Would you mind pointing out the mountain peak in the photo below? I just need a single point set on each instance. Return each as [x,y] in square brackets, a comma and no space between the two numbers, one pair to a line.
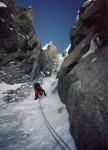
[51,49]
[50,42]
[49,45]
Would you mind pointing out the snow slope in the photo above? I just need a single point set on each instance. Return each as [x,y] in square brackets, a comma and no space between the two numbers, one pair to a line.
[22,126]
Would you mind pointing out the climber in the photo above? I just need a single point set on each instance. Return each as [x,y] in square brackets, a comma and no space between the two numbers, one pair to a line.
[39,91]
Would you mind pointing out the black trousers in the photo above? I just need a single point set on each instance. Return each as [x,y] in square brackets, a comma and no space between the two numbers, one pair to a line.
[42,90]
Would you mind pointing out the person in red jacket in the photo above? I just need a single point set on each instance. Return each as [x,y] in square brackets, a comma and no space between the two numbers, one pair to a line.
[38,90]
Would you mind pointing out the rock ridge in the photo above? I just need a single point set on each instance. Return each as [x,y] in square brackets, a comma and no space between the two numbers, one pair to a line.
[82,80]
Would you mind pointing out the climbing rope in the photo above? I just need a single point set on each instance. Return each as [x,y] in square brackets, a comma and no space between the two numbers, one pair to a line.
[50,127]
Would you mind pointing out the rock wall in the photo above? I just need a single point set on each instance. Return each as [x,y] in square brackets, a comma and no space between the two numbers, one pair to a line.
[19,48]
[49,59]
[83,78]
[21,56]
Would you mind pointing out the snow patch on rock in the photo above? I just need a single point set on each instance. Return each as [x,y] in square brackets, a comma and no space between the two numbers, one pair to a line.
[2,4]
[93,47]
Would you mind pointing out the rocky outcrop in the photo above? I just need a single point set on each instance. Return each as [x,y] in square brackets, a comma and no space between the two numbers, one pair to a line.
[82,83]
[19,48]
[19,94]
[49,59]
[21,56]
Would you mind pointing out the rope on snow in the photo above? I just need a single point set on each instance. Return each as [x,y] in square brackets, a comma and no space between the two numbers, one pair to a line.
[50,127]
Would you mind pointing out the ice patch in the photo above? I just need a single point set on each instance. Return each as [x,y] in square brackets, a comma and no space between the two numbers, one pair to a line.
[77,18]
[2,72]
[99,42]
[60,61]
[93,60]
[93,47]
[87,3]
[13,16]
[2,4]
[12,62]
[67,49]
[21,35]
[30,7]
[10,28]
[2,19]
[45,47]
[82,45]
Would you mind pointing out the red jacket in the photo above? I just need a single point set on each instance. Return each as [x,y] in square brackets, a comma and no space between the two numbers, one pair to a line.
[37,90]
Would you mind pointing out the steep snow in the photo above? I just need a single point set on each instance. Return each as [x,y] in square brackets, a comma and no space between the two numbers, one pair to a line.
[45,47]
[60,59]
[22,125]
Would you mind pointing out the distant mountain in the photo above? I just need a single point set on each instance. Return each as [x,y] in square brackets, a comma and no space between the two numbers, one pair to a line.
[49,58]
[50,44]
[52,49]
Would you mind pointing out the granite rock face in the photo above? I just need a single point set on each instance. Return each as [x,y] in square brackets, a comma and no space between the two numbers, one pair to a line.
[21,56]
[83,78]
[19,48]
[49,59]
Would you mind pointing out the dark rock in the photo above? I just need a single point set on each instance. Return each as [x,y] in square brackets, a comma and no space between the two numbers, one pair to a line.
[19,94]
[18,43]
[7,99]
[60,110]
[21,56]
[10,92]
[82,83]
[48,59]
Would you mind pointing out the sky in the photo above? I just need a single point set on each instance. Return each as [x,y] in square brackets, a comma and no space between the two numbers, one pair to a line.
[53,20]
